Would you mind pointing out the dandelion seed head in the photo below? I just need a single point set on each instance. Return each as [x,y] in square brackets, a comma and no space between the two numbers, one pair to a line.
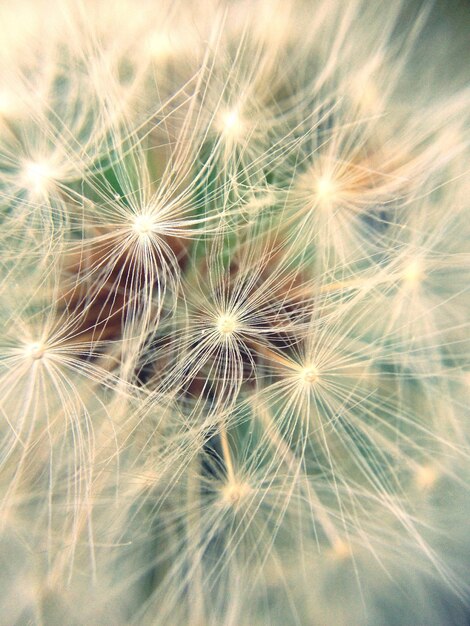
[426,477]
[160,45]
[229,246]
[341,550]
[227,324]
[35,350]
[233,493]
[38,176]
[143,225]
[231,124]
[309,375]
[8,104]
[326,188]
[413,272]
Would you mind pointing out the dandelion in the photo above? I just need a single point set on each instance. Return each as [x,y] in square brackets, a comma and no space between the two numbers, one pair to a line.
[234,332]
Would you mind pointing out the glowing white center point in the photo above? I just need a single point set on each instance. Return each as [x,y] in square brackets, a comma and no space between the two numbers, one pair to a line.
[325,188]
[143,224]
[230,123]
[35,350]
[364,92]
[413,272]
[160,45]
[341,550]
[233,493]
[310,374]
[226,325]
[426,477]
[37,176]
[7,103]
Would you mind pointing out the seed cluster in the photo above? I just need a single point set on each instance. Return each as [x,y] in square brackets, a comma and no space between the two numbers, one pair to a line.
[234,356]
